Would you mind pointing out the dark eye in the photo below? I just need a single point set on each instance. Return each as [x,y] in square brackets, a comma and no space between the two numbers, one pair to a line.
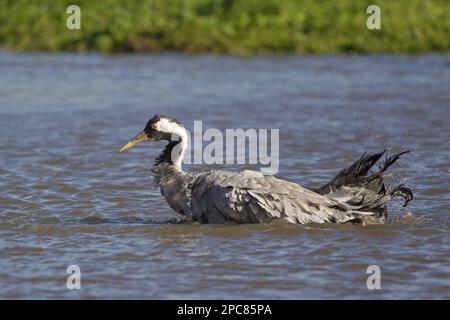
[151,124]
[155,119]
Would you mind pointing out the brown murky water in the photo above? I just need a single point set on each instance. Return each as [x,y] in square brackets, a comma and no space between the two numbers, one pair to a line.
[67,197]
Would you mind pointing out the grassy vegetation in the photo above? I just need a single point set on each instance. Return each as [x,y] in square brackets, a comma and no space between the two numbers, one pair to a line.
[226,26]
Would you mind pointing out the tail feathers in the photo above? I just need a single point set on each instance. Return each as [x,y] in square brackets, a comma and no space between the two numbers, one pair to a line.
[367,188]
[363,164]
[404,192]
[353,175]
[390,160]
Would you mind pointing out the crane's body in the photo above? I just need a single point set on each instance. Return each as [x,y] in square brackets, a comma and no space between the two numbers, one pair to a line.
[251,197]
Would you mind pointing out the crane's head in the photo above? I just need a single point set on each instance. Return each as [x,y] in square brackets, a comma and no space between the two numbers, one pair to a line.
[157,128]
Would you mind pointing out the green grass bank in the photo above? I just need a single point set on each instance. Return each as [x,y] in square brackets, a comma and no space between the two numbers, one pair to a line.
[226,26]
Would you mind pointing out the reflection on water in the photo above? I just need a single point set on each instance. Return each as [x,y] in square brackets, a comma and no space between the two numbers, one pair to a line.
[67,197]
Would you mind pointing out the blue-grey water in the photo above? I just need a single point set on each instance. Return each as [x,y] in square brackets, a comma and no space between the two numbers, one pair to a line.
[67,197]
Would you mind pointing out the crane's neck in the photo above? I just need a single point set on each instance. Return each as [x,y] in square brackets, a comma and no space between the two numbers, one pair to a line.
[175,184]
[175,150]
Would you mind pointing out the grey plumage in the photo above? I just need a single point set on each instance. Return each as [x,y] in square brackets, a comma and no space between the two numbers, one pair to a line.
[250,197]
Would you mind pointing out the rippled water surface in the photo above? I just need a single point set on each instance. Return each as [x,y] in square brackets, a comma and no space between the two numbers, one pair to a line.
[68,197]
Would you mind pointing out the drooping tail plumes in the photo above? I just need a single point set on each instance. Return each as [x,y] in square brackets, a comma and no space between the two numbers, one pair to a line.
[364,189]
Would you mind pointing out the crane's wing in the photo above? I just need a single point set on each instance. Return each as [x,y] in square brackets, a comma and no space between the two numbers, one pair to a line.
[249,196]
